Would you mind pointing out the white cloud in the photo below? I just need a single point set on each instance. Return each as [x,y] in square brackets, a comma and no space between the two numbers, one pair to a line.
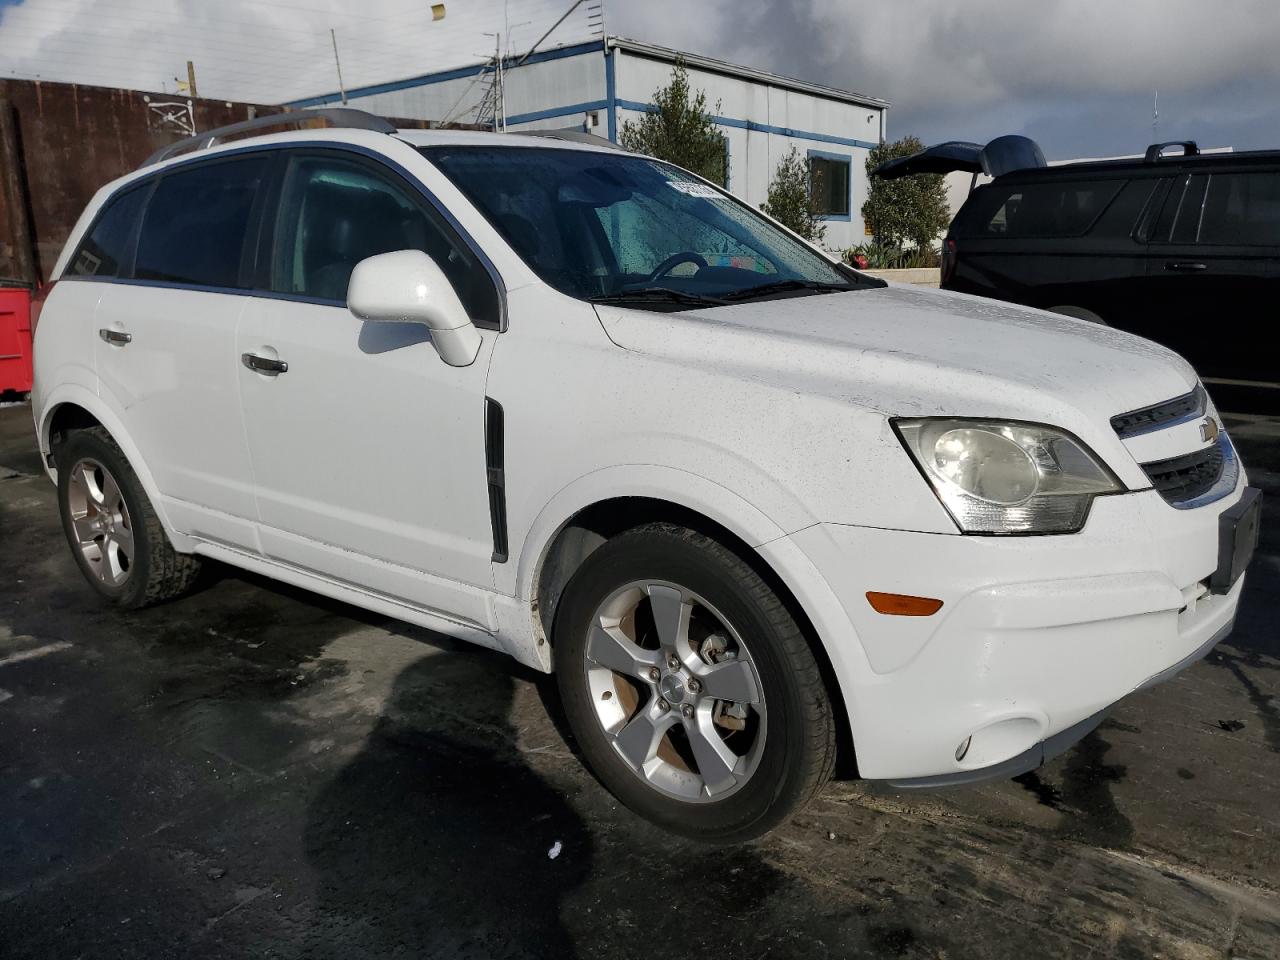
[1077,74]
[263,50]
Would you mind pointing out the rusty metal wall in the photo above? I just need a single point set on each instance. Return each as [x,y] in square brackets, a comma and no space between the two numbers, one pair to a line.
[72,139]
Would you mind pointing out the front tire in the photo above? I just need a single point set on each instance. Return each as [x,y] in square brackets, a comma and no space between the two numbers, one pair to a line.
[692,691]
[113,530]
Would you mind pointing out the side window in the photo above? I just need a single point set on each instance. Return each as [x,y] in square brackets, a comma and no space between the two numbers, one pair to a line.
[829,185]
[336,212]
[1242,209]
[1179,220]
[1120,220]
[195,227]
[1050,209]
[105,252]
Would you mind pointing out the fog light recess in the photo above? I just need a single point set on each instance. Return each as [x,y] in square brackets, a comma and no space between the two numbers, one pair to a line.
[963,748]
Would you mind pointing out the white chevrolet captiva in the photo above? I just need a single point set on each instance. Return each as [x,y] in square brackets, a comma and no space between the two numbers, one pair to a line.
[755,510]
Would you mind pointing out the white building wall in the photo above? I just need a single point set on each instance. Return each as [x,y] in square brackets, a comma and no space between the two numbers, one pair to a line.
[533,88]
[569,88]
[762,123]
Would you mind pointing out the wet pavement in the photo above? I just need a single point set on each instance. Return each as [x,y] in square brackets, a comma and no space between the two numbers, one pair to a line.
[256,771]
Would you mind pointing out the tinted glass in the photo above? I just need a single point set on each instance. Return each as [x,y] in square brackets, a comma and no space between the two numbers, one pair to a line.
[1186,223]
[336,212]
[598,224]
[1242,208]
[106,250]
[1050,209]
[1121,217]
[196,224]
[829,183]
[1179,220]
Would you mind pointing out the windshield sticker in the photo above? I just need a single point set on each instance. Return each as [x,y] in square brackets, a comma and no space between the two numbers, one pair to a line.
[695,189]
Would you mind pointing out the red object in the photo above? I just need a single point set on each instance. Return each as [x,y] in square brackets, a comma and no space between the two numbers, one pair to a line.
[860,261]
[15,339]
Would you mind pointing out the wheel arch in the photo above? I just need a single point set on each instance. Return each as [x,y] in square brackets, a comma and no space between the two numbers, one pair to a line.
[549,561]
[72,407]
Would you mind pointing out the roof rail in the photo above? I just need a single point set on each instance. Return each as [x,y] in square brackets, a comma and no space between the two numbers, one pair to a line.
[1155,152]
[337,117]
[573,134]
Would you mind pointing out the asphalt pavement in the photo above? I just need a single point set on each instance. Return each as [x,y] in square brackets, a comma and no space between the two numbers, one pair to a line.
[254,771]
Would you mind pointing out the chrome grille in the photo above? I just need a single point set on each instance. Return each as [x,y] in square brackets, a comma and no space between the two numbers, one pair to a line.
[1178,410]
[1181,480]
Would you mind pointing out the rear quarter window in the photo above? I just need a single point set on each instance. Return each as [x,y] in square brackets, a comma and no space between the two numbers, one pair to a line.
[106,251]
[1048,209]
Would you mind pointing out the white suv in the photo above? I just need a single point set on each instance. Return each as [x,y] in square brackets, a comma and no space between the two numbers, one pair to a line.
[753,508]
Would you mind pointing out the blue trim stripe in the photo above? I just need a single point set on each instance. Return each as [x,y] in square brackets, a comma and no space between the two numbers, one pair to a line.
[761,127]
[558,111]
[611,91]
[427,79]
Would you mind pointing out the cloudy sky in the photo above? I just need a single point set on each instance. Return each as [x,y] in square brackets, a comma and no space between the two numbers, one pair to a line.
[1077,75]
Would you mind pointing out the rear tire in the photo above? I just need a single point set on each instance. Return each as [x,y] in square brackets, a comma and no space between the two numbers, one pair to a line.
[113,530]
[720,769]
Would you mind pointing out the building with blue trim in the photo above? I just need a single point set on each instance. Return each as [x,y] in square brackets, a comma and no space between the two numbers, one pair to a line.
[599,85]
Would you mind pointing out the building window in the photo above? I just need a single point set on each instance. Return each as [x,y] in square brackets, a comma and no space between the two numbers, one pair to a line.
[829,176]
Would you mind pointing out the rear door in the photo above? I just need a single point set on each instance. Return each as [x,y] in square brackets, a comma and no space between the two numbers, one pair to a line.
[1213,268]
[166,336]
[1048,241]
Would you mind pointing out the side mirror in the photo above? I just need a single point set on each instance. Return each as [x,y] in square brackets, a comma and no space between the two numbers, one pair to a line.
[408,287]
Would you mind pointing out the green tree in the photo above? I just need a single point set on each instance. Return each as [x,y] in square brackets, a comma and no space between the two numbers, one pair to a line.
[680,130]
[790,199]
[910,210]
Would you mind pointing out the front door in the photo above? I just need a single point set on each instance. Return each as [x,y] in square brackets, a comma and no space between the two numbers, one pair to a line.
[368,450]
[165,343]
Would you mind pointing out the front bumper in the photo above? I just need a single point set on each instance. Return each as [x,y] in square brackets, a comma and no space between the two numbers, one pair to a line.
[1037,637]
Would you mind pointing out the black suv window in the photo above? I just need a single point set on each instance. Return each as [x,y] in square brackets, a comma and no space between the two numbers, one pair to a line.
[1242,208]
[1048,209]
[1183,210]
[105,252]
[195,226]
[335,212]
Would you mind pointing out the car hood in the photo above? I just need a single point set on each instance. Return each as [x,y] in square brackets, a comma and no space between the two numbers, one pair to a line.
[911,351]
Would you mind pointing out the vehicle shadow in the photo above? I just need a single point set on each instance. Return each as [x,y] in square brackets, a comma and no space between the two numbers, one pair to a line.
[436,840]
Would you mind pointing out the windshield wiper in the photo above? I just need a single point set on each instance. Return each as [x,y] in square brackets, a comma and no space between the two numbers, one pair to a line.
[656,295]
[783,286]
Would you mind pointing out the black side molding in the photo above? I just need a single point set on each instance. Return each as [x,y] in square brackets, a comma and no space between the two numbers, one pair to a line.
[493,457]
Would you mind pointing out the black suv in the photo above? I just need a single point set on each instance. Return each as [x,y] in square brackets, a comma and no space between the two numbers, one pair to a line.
[1182,249]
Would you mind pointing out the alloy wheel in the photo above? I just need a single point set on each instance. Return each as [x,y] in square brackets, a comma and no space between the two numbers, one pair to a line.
[101,522]
[675,690]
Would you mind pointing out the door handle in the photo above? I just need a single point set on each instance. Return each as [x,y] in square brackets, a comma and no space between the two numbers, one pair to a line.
[265,365]
[116,338]
[1186,266]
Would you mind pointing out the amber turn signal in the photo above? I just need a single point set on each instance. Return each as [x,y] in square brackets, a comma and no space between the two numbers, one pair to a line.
[900,605]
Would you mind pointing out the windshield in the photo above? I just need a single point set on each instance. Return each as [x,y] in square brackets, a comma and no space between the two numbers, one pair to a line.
[599,226]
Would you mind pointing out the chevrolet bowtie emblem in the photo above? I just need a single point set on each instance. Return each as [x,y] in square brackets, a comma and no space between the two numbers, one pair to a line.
[1209,430]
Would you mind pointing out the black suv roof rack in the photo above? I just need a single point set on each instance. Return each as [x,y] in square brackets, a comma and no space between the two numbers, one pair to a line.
[336,116]
[572,134]
[1155,152]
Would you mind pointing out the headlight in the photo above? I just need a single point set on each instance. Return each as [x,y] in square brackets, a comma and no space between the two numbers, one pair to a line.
[1000,476]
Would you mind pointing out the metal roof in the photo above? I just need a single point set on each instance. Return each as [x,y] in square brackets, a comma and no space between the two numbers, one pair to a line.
[712,65]
[635,47]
